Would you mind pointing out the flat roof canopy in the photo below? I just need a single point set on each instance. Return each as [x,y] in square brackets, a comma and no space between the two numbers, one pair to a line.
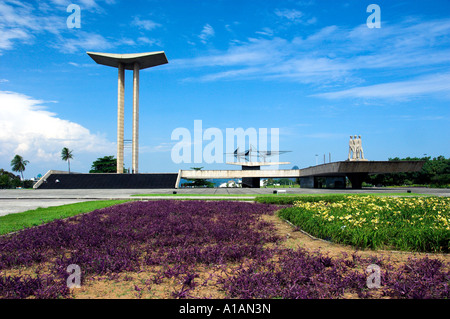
[145,60]
[342,168]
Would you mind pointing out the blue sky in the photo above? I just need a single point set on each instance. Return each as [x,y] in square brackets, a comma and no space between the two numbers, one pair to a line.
[313,69]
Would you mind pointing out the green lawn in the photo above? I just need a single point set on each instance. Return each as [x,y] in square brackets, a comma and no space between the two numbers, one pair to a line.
[193,195]
[30,218]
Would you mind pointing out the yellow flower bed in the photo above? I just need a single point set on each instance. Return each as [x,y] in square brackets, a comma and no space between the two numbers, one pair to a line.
[410,223]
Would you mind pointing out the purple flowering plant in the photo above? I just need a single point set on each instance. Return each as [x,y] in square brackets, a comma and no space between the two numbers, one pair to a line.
[181,240]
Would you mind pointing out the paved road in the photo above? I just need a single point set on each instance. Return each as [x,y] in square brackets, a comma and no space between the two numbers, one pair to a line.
[9,206]
[19,200]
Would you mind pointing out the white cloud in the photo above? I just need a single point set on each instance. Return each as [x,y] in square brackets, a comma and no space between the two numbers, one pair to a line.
[12,24]
[145,40]
[84,41]
[266,32]
[207,33]
[84,4]
[253,52]
[275,58]
[16,15]
[436,83]
[8,37]
[145,24]
[295,16]
[336,57]
[28,129]
[127,42]
[25,17]
[22,22]
[290,14]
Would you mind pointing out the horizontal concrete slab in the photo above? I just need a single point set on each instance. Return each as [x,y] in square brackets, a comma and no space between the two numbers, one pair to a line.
[219,174]
[370,167]
[330,169]
[145,60]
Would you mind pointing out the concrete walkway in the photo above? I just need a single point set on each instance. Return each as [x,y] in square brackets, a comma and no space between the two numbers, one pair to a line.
[10,206]
[19,200]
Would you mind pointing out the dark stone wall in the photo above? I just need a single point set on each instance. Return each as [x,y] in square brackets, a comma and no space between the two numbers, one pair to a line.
[110,181]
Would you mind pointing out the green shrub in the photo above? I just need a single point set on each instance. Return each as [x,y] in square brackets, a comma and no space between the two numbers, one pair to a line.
[290,200]
[403,223]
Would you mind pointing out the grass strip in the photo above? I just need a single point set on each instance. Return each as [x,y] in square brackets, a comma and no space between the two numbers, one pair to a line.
[193,195]
[290,199]
[18,221]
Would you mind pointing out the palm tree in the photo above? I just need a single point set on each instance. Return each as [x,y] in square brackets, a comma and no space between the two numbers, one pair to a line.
[18,164]
[66,155]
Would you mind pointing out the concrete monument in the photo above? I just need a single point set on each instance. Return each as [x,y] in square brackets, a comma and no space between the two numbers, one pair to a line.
[359,149]
[124,62]
[351,149]
[355,151]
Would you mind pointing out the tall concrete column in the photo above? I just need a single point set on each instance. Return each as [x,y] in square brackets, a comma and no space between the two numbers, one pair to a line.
[120,117]
[135,62]
[135,146]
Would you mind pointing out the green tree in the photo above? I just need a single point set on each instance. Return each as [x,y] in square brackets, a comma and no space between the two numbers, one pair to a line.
[66,155]
[8,180]
[285,182]
[199,182]
[270,181]
[18,164]
[106,164]
[435,172]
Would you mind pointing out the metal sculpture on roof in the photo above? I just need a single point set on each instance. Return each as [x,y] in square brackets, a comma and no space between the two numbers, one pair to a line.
[247,154]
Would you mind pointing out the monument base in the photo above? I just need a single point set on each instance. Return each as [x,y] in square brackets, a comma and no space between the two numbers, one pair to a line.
[108,181]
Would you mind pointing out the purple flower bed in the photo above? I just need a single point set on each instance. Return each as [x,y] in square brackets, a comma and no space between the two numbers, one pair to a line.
[303,275]
[177,237]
